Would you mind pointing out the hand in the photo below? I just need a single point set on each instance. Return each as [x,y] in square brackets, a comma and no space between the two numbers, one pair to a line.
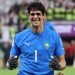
[12,63]
[54,64]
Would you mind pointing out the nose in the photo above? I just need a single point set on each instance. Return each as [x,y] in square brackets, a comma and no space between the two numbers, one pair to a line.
[35,16]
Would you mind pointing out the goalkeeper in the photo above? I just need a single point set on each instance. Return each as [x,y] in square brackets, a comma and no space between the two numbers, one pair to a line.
[37,46]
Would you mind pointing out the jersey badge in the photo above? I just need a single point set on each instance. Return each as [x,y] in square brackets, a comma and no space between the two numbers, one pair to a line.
[47,45]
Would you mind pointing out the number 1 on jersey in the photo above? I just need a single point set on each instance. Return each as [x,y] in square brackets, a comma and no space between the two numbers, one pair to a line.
[35,56]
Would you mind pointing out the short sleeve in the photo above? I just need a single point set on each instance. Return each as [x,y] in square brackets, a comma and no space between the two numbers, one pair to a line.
[14,49]
[59,49]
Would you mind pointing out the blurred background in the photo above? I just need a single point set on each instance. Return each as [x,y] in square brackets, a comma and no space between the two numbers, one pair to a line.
[13,19]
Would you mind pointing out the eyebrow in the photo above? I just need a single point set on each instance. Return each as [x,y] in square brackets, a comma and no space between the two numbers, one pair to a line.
[32,14]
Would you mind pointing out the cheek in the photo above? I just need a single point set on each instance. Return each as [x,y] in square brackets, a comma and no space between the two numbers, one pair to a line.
[30,17]
[44,18]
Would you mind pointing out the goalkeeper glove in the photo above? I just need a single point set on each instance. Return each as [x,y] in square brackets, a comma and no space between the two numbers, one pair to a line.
[12,63]
[54,64]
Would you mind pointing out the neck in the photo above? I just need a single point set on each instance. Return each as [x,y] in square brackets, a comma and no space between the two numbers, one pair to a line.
[37,29]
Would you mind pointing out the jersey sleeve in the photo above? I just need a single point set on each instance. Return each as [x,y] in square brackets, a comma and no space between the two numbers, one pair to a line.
[14,49]
[59,49]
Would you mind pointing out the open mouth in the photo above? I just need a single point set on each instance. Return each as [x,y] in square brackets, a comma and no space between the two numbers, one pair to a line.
[35,19]
[35,23]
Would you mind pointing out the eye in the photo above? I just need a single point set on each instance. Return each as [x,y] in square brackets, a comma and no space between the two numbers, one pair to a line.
[38,14]
[32,14]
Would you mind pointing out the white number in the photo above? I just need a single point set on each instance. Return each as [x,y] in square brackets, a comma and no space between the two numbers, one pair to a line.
[35,56]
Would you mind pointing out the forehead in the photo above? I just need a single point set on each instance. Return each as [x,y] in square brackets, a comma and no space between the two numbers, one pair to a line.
[35,11]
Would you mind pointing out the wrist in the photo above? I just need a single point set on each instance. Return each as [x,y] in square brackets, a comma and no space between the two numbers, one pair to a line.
[62,65]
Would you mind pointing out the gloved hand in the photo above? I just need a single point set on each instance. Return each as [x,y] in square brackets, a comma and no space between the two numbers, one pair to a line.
[54,64]
[12,63]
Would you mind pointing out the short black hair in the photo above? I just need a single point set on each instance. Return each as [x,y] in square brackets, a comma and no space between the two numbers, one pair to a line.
[36,6]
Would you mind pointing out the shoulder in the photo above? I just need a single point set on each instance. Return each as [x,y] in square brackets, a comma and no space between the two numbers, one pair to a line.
[22,35]
[55,34]
[49,25]
[52,33]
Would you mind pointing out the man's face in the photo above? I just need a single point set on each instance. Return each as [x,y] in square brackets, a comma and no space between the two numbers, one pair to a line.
[36,18]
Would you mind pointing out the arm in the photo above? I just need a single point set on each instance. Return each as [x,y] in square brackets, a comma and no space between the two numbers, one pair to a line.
[62,62]
[58,61]
[14,54]
[59,52]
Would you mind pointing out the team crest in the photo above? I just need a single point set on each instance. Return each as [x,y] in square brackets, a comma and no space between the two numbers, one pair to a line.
[47,45]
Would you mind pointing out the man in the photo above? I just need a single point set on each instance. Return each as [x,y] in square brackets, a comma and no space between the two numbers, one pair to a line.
[37,46]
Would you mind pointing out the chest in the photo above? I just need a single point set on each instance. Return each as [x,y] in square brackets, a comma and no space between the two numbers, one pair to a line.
[39,43]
